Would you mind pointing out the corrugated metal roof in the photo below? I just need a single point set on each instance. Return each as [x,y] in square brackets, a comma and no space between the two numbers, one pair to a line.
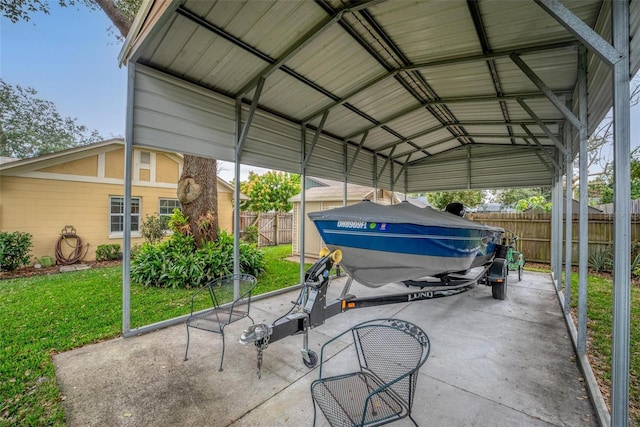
[426,95]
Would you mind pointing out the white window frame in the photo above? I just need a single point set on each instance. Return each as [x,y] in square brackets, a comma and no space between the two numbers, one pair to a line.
[160,214]
[135,232]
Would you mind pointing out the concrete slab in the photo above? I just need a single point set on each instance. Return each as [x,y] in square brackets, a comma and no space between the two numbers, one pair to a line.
[493,363]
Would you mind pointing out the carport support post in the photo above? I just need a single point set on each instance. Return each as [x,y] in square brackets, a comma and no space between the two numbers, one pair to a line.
[303,179]
[584,195]
[556,238]
[126,237]
[568,218]
[622,220]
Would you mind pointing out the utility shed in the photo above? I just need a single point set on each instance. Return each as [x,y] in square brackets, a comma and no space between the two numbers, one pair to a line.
[406,96]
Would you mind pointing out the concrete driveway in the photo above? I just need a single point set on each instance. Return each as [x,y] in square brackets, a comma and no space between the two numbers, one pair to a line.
[492,363]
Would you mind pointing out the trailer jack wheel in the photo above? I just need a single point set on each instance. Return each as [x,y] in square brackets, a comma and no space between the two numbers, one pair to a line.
[313,359]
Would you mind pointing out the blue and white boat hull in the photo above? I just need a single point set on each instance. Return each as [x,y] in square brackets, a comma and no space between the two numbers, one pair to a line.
[384,244]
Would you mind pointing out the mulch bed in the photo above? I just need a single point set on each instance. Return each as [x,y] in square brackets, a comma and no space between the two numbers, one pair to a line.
[42,271]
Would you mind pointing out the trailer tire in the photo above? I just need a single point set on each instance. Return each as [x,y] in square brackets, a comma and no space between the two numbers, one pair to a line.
[313,360]
[520,272]
[499,290]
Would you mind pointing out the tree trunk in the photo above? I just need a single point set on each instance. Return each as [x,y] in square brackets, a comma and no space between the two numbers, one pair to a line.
[198,194]
[198,185]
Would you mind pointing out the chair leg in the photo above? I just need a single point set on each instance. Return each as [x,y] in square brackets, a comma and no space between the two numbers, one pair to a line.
[414,421]
[187,349]
[313,401]
[222,357]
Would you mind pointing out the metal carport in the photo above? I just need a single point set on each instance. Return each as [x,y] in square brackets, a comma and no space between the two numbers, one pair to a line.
[420,96]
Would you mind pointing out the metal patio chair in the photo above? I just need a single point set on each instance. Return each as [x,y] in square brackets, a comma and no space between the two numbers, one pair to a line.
[213,306]
[390,352]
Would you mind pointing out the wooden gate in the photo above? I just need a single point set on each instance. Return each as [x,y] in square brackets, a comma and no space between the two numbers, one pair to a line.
[274,228]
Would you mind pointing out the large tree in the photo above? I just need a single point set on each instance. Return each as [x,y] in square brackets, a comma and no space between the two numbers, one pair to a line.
[31,127]
[270,192]
[198,185]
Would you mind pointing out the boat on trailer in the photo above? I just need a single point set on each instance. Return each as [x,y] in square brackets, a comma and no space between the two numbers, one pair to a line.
[381,244]
[377,245]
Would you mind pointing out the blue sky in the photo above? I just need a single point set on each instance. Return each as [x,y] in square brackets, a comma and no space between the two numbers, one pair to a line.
[71,59]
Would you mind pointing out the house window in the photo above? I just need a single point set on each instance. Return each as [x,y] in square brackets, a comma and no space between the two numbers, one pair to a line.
[166,208]
[145,158]
[116,214]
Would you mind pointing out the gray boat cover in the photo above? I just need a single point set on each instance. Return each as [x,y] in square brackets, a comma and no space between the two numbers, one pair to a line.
[404,213]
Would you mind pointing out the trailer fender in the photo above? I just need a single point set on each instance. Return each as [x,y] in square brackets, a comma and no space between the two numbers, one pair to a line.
[498,270]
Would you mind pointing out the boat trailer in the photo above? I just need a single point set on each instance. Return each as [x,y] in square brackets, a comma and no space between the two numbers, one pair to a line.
[311,308]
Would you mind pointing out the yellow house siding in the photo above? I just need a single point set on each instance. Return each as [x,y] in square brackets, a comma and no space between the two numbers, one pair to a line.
[44,205]
[167,169]
[145,175]
[114,164]
[83,167]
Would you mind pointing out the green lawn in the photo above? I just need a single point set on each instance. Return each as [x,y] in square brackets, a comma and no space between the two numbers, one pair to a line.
[599,331]
[44,315]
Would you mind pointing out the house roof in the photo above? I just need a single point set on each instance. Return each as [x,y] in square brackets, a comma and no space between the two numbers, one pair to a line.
[17,166]
[334,191]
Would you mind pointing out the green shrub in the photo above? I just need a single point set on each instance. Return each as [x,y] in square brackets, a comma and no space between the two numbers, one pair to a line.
[14,250]
[250,234]
[601,260]
[108,252]
[176,263]
[153,228]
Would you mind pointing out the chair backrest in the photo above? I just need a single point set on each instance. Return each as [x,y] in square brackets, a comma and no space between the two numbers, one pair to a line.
[222,290]
[393,350]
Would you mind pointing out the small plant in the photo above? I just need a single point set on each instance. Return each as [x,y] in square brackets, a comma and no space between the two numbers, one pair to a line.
[14,250]
[601,260]
[635,267]
[178,223]
[251,234]
[108,252]
[153,228]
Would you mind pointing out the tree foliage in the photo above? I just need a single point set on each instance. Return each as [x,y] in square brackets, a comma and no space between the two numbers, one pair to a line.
[469,198]
[270,192]
[30,126]
[534,202]
[120,12]
[601,188]
[509,197]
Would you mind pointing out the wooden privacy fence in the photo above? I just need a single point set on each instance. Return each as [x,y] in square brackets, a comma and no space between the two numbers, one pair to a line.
[534,230]
[274,228]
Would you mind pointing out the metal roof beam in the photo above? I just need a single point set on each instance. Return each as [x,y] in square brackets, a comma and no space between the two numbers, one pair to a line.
[463,123]
[432,144]
[542,126]
[541,148]
[453,100]
[386,162]
[252,109]
[547,91]
[303,42]
[355,155]
[404,167]
[315,140]
[409,138]
[542,160]
[439,63]
[582,31]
